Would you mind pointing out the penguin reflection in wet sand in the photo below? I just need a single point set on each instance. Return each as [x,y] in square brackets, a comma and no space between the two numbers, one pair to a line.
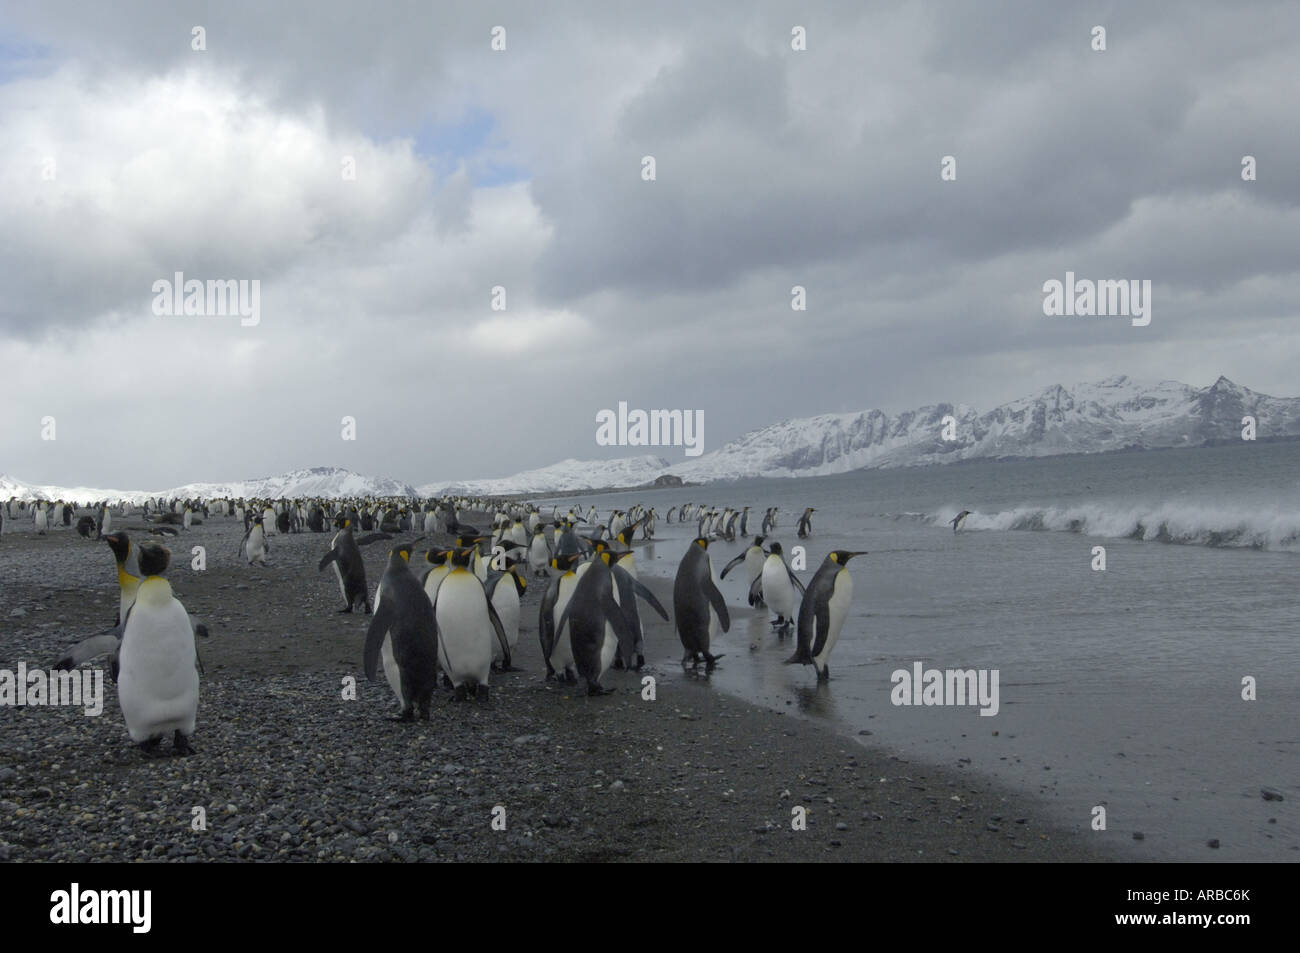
[404,618]
[698,606]
[822,614]
[959,520]
[158,682]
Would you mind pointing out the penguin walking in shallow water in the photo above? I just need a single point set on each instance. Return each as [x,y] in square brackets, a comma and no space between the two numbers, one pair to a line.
[779,585]
[698,607]
[805,523]
[822,614]
[404,621]
[959,519]
[158,682]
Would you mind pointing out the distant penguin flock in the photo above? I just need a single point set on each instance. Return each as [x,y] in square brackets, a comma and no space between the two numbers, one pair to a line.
[454,624]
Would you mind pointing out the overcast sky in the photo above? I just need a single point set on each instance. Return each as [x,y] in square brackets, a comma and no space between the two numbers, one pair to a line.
[126,156]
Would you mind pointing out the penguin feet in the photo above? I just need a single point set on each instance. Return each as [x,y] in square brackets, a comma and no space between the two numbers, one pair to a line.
[825,674]
[407,714]
[150,747]
[594,689]
[460,695]
[347,608]
[481,694]
[618,664]
[446,682]
[570,678]
[181,746]
[640,661]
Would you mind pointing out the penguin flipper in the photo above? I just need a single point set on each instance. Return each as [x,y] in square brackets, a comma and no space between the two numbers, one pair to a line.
[328,558]
[647,595]
[106,643]
[731,565]
[794,579]
[756,591]
[490,586]
[371,538]
[379,624]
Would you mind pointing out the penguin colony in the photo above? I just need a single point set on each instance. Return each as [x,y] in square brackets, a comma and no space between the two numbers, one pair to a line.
[447,617]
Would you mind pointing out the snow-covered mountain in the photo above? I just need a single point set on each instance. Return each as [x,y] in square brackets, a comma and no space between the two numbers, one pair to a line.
[1114,414]
[565,475]
[329,482]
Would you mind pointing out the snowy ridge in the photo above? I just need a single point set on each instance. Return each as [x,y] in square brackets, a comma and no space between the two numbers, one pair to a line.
[1114,414]
[327,482]
[566,475]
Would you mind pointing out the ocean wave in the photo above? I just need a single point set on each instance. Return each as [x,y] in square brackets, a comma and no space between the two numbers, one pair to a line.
[1188,523]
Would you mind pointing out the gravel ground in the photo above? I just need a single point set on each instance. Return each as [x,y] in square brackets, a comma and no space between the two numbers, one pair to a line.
[286,769]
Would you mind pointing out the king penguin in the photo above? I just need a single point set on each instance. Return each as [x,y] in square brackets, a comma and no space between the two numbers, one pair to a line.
[254,543]
[805,523]
[503,590]
[698,606]
[753,558]
[959,519]
[557,651]
[403,620]
[349,567]
[822,614]
[596,623]
[468,625]
[779,584]
[158,685]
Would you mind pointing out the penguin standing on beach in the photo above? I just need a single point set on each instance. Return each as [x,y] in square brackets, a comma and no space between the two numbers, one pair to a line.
[596,623]
[959,519]
[822,614]
[779,584]
[349,567]
[503,591]
[254,544]
[557,652]
[404,621]
[158,684]
[698,606]
[468,625]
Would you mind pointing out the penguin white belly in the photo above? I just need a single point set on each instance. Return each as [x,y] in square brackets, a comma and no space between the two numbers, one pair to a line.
[108,522]
[391,671]
[778,592]
[158,684]
[841,596]
[608,649]
[338,574]
[753,564]
[465,635]
[430,524]
[562,651]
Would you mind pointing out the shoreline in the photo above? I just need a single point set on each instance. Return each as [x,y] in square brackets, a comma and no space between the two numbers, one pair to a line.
[287,770]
